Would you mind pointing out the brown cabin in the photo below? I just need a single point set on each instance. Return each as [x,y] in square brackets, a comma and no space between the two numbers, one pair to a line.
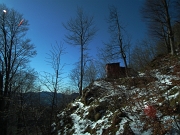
[113,70]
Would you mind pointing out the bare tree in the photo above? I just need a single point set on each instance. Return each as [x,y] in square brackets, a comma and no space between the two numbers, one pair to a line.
[75,72]
[159,18]
[22,83]
[177,9]
[81,31]
[15,52]
[74,76]
[54,60]
[53,81]
[176,28]
[91,72]
[143,52]
[118,45]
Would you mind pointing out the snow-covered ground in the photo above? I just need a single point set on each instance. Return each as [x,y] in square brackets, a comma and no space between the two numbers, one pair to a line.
[131,103]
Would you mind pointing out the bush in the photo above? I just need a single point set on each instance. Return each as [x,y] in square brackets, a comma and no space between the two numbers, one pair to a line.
[116,119]
[97,116]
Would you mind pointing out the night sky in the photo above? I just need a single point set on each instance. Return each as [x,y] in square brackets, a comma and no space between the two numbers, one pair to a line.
[46,17]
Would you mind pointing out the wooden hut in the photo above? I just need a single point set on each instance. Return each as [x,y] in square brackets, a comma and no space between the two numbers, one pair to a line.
[113,70]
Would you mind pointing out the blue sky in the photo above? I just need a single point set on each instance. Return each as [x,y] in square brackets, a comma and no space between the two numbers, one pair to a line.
[46,17]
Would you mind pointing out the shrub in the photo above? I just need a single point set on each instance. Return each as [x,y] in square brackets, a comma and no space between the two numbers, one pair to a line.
[116,119]
[91,113]
[97,116]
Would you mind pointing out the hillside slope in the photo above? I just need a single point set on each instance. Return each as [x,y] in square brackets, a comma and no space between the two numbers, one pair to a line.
[143,105]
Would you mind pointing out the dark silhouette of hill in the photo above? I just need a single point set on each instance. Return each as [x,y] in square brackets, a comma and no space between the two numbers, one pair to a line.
[45,97]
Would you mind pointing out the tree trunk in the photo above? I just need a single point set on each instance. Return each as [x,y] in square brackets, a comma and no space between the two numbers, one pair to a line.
[123,55]
[170,32]
[3,115]
[81,76]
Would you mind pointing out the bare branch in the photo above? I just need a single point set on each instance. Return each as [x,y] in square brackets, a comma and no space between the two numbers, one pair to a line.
[81,30]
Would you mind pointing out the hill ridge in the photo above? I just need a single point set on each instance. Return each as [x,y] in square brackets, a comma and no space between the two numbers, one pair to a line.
[118,106]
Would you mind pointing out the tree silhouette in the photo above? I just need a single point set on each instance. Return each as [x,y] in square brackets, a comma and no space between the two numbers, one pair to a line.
[15,52]
[81,31]
[159,19]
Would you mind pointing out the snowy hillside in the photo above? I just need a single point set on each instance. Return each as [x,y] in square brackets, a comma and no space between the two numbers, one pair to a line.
[143,105]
